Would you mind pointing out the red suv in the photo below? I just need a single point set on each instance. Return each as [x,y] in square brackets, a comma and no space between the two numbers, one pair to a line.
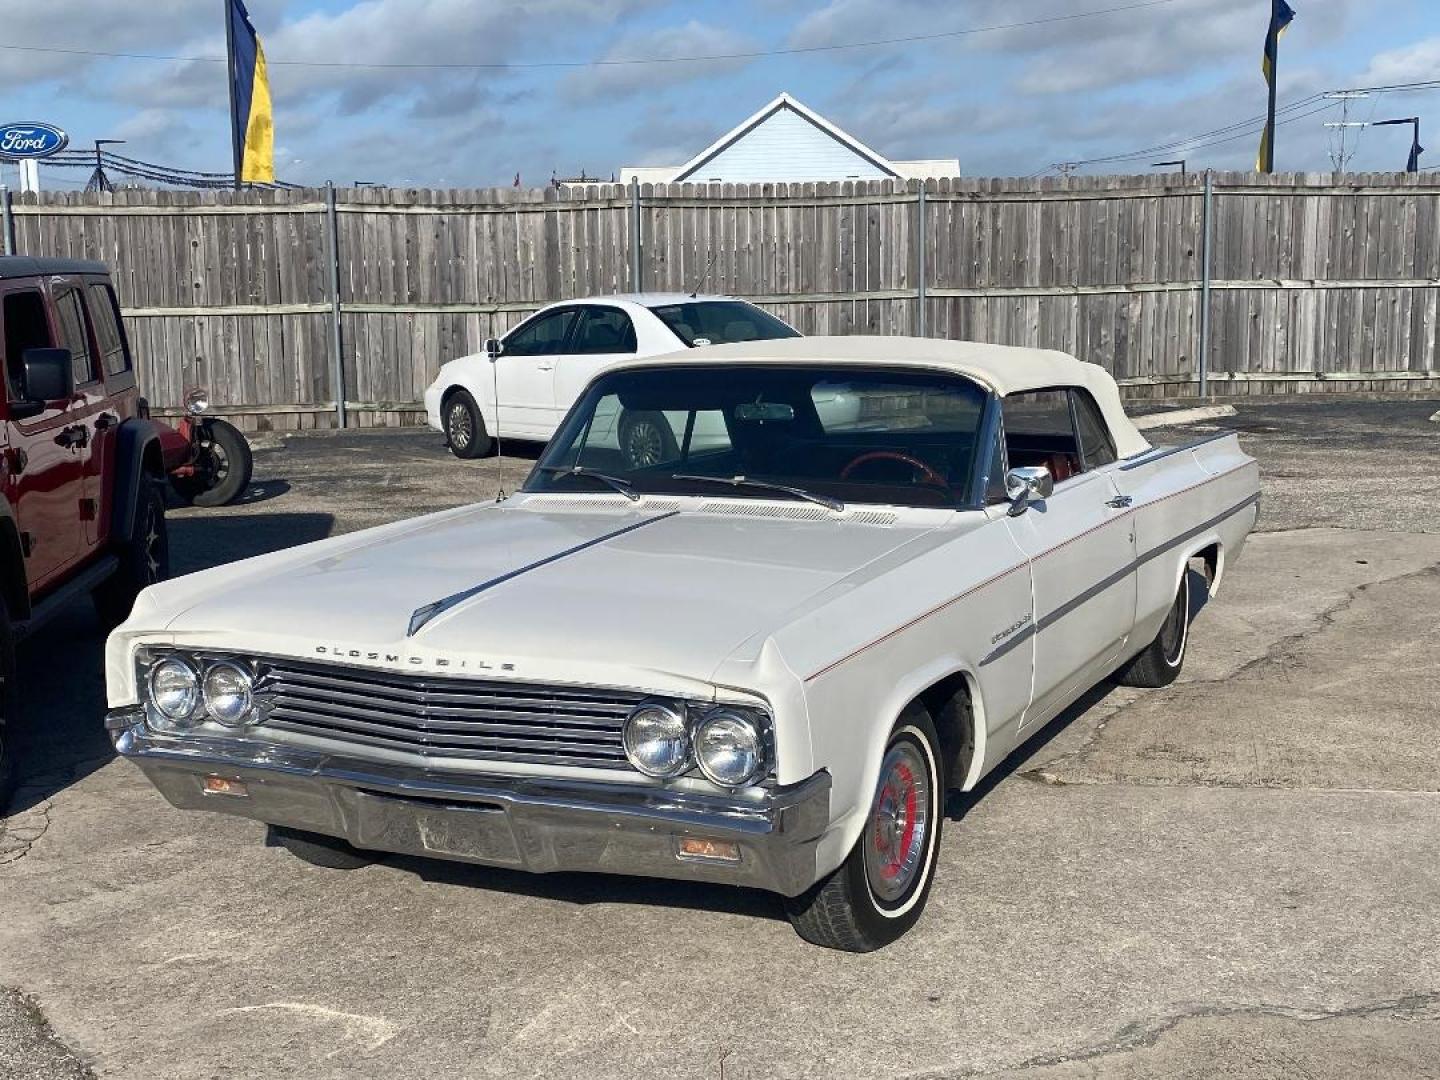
[81,468]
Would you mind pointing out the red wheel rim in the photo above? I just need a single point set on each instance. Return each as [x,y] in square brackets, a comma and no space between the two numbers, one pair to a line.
[899,826]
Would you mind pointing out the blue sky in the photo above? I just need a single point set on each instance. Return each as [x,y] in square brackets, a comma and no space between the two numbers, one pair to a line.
[1004,103]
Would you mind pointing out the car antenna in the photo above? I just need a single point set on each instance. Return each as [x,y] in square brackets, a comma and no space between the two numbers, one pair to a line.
[713,256]
[494,356]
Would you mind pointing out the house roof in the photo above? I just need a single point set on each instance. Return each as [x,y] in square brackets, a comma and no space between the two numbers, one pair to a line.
[895,169]
[1006,369]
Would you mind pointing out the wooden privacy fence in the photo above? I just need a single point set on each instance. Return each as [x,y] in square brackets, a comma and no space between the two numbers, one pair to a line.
[1201,285]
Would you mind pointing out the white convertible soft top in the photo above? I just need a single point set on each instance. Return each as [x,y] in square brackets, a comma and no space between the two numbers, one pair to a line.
[1006,369]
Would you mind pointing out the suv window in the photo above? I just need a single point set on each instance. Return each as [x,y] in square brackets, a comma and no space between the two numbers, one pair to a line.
[604,330]
[74,334]
[105,316]
[543,335]
[721,322]
[1096,446]
[26,327]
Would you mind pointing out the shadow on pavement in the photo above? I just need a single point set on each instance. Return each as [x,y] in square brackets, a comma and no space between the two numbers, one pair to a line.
[60,736]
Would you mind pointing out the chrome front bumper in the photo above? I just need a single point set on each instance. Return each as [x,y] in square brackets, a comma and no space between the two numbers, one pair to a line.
[526,823]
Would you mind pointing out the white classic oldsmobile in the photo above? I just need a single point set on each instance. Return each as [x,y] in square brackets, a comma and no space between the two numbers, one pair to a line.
[760,661]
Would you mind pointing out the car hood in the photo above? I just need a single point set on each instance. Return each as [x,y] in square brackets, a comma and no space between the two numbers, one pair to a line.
[534,589]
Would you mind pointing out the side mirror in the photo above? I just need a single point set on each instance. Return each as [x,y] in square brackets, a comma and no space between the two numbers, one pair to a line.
[45,375]
[493,348]
[1027,484]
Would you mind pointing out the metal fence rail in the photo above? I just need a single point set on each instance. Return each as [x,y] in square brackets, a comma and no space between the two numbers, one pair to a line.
[306,308]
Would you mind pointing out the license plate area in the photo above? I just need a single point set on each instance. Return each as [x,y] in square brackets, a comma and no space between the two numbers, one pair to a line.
[476,832]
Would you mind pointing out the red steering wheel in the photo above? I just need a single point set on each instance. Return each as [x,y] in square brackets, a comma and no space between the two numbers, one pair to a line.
[927,474]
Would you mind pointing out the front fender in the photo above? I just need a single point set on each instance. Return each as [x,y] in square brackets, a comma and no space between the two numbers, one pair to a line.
[138,457]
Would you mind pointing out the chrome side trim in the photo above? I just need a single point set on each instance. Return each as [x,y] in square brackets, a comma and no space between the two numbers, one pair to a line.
[422,615]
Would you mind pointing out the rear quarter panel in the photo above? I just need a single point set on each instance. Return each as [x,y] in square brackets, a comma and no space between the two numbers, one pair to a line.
[1185,500]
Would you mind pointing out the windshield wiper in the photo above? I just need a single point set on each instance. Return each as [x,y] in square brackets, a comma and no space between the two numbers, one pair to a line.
[765,485]
[622,486]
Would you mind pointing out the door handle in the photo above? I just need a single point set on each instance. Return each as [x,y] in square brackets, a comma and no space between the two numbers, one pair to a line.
[544,367]
[1120,502]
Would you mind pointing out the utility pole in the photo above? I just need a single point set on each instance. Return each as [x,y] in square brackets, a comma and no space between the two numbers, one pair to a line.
[98,180]
[1340,155]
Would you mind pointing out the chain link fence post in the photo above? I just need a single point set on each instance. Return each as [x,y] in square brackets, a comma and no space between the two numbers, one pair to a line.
[1206,228]
[7,220]
[636,267]
[337,356]
[920,283]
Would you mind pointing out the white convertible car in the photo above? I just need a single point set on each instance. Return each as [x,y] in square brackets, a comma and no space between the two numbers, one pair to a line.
[761,663]
[538,369]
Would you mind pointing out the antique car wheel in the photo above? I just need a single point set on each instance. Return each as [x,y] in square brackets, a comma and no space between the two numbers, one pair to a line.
[464,427]
[328,851]
[1159,663]
[646,440]
[144,558]
[223,466]
[880,889]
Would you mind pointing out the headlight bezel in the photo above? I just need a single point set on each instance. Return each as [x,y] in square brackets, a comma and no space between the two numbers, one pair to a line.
[691,718]
[750,722]
[201,714]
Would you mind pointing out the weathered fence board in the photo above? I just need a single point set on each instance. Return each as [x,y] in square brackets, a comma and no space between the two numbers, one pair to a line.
[1318,280]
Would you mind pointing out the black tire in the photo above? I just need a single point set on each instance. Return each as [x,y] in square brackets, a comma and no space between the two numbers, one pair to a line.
[144,558]
[843,910]
[9,708]
[465,432]
[646,440]
[1159,663]
[328,851]
[223,466]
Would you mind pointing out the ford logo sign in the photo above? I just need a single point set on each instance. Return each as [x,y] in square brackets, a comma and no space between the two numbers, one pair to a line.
[31,140]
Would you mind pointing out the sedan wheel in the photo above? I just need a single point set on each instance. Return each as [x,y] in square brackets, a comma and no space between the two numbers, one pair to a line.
[464,428]
[646,440]
[1159,663]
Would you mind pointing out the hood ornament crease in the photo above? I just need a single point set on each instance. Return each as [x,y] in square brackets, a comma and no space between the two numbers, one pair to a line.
[426,612]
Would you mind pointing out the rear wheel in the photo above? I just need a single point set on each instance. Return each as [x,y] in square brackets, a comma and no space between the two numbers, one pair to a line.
[646,440]
[318,850]
[223,466]
[881,888]
[1159,663]
[144,558]
[465,432]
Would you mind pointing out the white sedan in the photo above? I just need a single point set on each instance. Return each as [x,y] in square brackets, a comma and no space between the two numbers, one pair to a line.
[537,370]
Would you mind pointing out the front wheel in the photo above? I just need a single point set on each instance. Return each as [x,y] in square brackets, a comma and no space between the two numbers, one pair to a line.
[646,440]
[222,467]
[144,557]
[1159,663]
[465,432]
[880,889]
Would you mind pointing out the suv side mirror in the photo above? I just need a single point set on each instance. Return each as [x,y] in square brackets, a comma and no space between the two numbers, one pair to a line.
[1027,484]
[493,348]
[45,375]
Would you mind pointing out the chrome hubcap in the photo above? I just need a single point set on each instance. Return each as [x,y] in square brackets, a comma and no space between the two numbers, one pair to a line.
[644,446]
[461,429]
[899,824]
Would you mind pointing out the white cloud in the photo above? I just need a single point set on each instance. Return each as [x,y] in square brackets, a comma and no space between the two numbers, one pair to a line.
[1412,63]
[692,39]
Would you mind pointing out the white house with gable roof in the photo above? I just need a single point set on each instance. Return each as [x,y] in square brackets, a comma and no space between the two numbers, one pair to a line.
[785,142]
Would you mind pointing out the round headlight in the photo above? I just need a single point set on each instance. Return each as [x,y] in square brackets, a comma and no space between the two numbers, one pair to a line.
[197,401]
[228,693]
[728,748]
[174,690]
[657,739]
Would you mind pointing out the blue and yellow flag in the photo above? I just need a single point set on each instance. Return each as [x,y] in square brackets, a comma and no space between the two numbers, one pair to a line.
[253,125]
[1281,16]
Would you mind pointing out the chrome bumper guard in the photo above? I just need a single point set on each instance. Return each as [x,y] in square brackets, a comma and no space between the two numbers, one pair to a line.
[526,823]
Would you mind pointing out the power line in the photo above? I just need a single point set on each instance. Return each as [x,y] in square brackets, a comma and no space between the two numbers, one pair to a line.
[910,39]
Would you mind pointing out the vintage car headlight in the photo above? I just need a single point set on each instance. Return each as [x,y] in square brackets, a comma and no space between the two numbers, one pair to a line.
[229,693]
[657,739]
[729,747]
[174,691]
[197,401]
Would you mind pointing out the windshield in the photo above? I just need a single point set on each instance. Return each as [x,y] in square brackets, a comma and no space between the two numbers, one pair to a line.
[837,433]
[721,322]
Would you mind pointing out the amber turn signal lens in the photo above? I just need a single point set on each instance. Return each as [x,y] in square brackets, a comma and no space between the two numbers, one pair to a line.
[222,785]
[697,847]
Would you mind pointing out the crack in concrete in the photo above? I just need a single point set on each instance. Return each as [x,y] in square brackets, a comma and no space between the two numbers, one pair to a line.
[23,830]
[1279,650]
[1142,1034]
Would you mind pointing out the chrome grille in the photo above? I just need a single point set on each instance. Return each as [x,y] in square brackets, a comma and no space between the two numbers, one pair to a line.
[449,717]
